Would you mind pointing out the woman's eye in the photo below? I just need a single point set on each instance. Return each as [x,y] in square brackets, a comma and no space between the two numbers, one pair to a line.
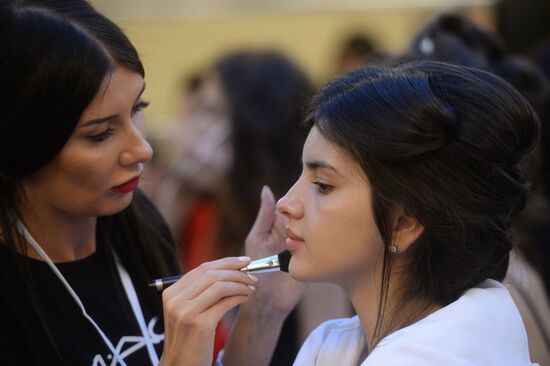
[322,187]
[140,106]
[102,136]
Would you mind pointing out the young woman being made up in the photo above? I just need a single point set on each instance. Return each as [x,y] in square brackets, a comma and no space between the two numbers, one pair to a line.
[411,179]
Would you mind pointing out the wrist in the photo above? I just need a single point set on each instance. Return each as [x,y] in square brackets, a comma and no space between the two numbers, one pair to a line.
[263,314]
[254,336]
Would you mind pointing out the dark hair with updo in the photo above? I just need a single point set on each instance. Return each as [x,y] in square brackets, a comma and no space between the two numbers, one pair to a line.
[54,58]
[450,145]
[456,39]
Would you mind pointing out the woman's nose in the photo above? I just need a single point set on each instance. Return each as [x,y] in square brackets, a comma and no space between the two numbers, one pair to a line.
[137,150]
[289,205]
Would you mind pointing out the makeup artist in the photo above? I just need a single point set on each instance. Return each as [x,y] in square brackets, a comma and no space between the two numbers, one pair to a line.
[79,242]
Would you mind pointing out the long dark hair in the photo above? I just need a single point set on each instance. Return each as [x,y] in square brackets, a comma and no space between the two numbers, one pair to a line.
[54,56]
[448,143]
[267,96]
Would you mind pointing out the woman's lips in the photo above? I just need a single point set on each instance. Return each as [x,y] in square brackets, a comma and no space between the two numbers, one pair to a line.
[127,187]
[293,241]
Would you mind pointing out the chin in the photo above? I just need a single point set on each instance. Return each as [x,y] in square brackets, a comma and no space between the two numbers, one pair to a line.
[116,205]
[301,272]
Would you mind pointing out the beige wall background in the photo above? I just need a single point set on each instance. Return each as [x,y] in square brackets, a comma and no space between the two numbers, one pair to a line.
[176,39]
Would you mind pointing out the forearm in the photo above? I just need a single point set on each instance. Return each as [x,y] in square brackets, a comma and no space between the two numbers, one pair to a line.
[253,338]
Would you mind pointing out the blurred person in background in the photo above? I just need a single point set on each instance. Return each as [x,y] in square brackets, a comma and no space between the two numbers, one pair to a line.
[241,132]
[458,40]
[353,53]
[154,175]
[357,50]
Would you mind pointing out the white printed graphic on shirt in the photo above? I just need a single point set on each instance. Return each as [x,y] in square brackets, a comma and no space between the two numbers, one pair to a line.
[133,344]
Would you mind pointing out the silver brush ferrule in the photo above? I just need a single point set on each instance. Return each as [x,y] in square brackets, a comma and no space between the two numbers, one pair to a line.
[263,265]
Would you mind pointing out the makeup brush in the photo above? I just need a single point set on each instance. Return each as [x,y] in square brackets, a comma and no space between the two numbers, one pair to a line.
[273,263]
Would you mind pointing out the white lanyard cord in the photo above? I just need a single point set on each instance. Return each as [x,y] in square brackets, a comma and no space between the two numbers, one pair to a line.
[134,302]
[28,237]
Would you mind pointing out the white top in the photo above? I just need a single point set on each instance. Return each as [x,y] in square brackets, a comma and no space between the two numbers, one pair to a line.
[483,327]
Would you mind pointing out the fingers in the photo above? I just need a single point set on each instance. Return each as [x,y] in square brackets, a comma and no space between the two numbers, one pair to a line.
[229,263]
[218,310]
[216,293]
[217,279]
[266,214]
[197,302]
[191,287]
[203,311]
[187,309]
[226,263]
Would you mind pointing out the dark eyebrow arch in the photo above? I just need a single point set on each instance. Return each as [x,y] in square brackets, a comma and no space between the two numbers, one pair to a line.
[108,118]
[313,165]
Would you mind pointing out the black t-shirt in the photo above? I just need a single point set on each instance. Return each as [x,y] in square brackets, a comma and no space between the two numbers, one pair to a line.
[23,338]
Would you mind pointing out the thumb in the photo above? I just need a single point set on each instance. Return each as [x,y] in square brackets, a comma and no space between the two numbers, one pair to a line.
[266,213]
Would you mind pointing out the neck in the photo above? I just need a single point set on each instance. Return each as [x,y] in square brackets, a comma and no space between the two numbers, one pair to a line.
[365,298]
[62,236]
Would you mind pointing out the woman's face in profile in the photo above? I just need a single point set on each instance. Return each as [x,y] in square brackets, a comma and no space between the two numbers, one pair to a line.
[333,235]
[98,168]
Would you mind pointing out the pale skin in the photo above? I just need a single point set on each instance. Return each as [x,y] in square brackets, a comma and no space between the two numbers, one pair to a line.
[329,209]
[62,200]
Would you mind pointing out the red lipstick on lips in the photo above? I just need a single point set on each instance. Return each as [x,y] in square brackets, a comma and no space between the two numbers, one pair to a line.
[293,241]
[127,187]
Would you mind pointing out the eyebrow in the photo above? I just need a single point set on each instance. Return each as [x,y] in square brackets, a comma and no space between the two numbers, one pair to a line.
[313,165]
[108,118]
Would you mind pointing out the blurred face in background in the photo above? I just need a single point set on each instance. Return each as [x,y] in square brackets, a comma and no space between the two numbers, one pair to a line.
[204,151]
[99,167]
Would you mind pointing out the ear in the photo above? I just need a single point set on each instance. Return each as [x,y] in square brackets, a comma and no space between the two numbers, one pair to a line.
[406,229]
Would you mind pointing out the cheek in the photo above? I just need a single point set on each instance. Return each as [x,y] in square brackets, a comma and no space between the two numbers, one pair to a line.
[352,235]
[85,189]
[360,227]
[347,217]
[80,178]
[87,173]
[343,241]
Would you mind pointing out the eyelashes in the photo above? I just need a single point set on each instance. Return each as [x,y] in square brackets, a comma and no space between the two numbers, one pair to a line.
[104,135]
[140,106]
[322,187]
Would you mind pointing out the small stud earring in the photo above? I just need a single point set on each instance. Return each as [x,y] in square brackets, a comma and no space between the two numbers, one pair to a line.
[392,248]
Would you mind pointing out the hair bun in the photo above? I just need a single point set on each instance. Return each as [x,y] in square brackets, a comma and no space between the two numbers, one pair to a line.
[431,122]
